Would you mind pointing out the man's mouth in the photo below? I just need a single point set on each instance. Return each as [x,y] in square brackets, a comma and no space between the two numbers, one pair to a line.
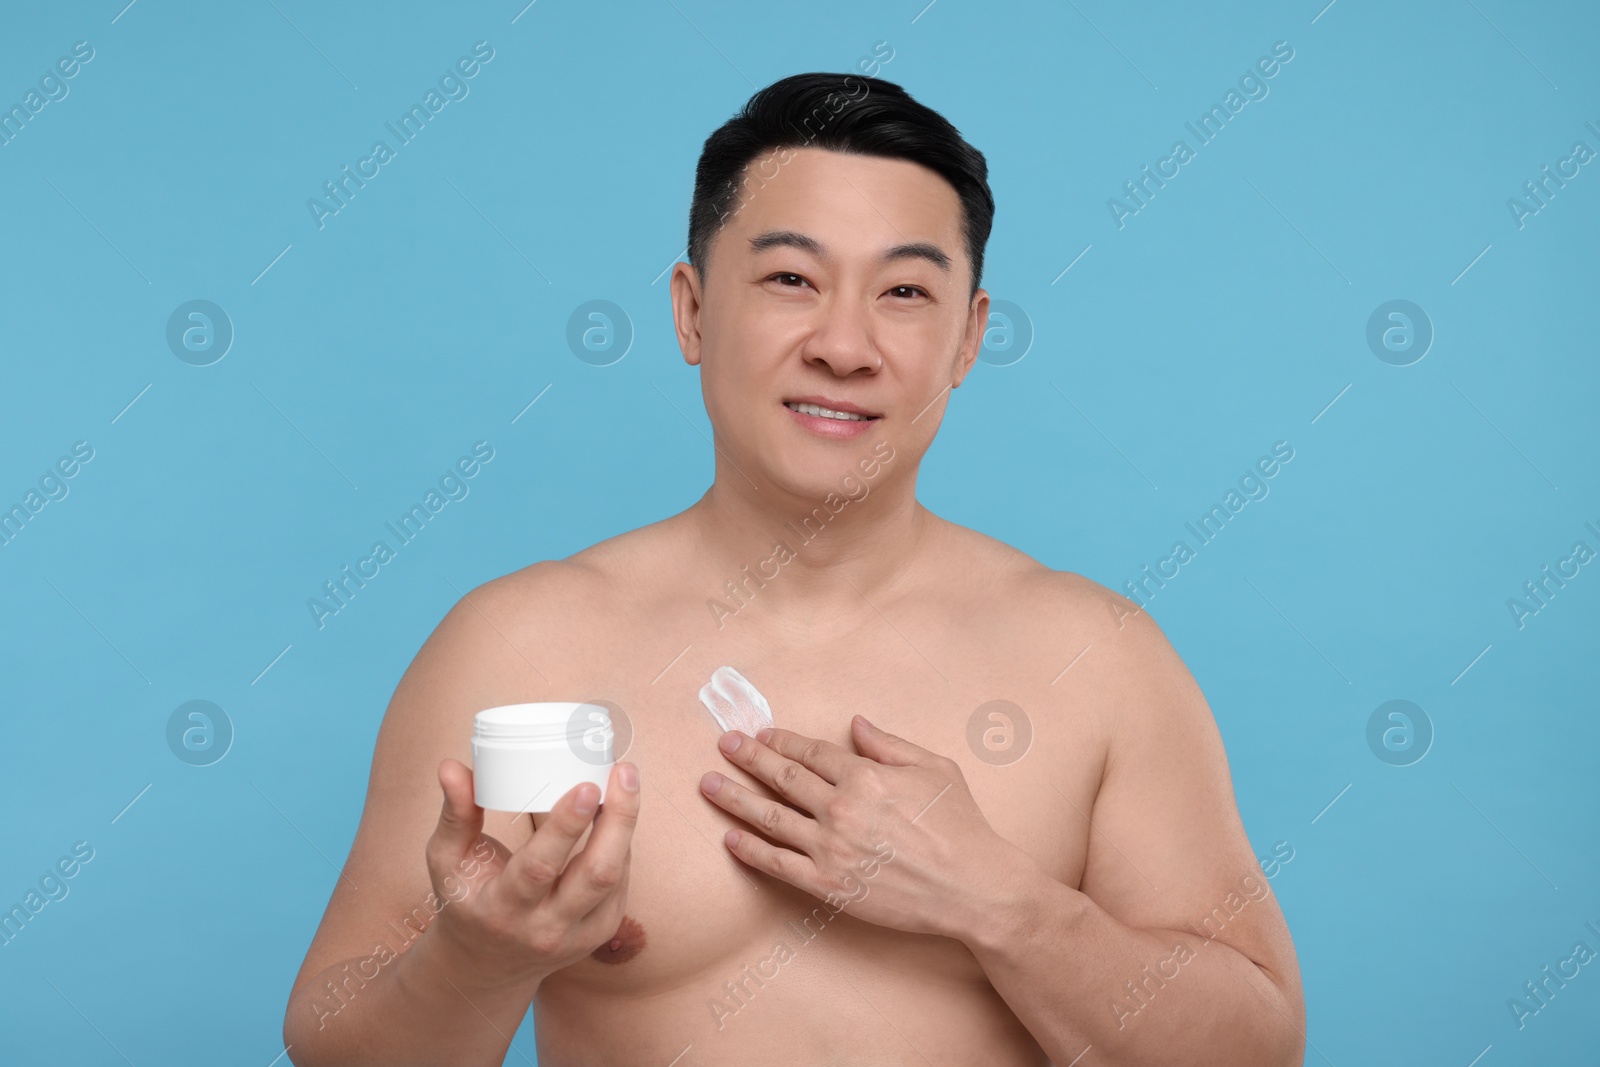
[827,413]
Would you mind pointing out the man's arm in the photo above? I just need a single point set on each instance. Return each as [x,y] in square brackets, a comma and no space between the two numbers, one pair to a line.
[1175,950]
[443,922]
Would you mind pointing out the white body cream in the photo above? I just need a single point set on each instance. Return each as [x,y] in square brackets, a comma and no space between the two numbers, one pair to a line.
[735,703]
[525,757]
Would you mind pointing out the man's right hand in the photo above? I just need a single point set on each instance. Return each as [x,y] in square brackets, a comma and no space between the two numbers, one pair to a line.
[529,913]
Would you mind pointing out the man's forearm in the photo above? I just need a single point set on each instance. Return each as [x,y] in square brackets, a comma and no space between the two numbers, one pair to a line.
[1077,977]
[423,1007]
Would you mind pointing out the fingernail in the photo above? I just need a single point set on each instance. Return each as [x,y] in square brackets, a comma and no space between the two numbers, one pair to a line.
[586,802]
[764,734]
[731,741]
[732,838]
[629,777]
[710,782]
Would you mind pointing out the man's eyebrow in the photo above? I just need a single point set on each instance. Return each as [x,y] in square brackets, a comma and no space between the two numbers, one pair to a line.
[761,242]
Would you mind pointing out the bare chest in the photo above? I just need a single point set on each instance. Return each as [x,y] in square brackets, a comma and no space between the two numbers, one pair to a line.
[1025,741]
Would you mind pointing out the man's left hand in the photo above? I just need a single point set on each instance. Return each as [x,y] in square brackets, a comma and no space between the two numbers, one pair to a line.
[891,833]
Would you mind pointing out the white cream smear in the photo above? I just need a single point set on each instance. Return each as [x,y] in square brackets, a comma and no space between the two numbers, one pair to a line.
[735,703]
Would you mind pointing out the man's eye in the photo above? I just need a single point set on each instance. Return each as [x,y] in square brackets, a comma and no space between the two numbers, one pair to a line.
[903,290]
[783,275]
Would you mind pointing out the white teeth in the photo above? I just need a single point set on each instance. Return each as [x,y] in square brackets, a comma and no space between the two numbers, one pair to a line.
[813,409]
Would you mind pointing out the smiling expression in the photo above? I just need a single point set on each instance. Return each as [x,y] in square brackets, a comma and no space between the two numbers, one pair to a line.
[835,313]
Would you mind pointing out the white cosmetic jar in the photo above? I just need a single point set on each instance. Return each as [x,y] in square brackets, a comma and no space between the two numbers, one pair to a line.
[525,757]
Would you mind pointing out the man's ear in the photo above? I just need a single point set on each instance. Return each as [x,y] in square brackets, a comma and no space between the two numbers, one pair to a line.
[686,304]
[972,340]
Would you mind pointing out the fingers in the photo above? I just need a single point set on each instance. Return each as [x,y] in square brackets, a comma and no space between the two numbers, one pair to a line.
[825,759]
[460,819]
[799,871]
[534,867]
[602,866]
[778,821]
[790,780]
[888,748]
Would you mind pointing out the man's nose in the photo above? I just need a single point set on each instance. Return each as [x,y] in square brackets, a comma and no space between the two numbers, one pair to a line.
[843,340]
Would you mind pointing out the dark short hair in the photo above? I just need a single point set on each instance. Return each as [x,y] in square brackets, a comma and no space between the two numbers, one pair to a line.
[843,113]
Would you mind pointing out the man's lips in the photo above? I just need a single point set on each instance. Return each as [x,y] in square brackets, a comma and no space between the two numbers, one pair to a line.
[843,424]
[828,407]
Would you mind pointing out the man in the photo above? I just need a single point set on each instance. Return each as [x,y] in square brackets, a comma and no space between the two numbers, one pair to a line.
[863,884]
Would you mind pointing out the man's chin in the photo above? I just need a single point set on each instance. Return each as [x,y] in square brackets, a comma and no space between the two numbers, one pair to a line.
[815,486]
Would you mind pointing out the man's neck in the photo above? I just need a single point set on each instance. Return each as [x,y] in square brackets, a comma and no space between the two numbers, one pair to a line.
[786,555]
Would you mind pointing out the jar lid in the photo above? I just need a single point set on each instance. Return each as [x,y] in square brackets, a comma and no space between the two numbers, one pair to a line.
[543,722]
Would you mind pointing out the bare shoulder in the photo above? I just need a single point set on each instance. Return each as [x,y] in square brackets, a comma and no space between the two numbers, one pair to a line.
[1124,671]
[527,635]
[513,639]
[583,589]
[1181,860]
[1063,610]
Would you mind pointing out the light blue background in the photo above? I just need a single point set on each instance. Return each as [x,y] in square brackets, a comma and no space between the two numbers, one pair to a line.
[425,316]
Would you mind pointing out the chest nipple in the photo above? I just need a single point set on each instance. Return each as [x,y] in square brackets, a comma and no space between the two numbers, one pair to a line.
[625,944]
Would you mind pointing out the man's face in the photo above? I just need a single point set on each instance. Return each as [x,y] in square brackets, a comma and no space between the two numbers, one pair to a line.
[825,284]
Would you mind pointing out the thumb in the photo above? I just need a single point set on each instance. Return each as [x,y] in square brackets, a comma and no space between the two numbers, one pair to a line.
[885,747]
[460,820]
